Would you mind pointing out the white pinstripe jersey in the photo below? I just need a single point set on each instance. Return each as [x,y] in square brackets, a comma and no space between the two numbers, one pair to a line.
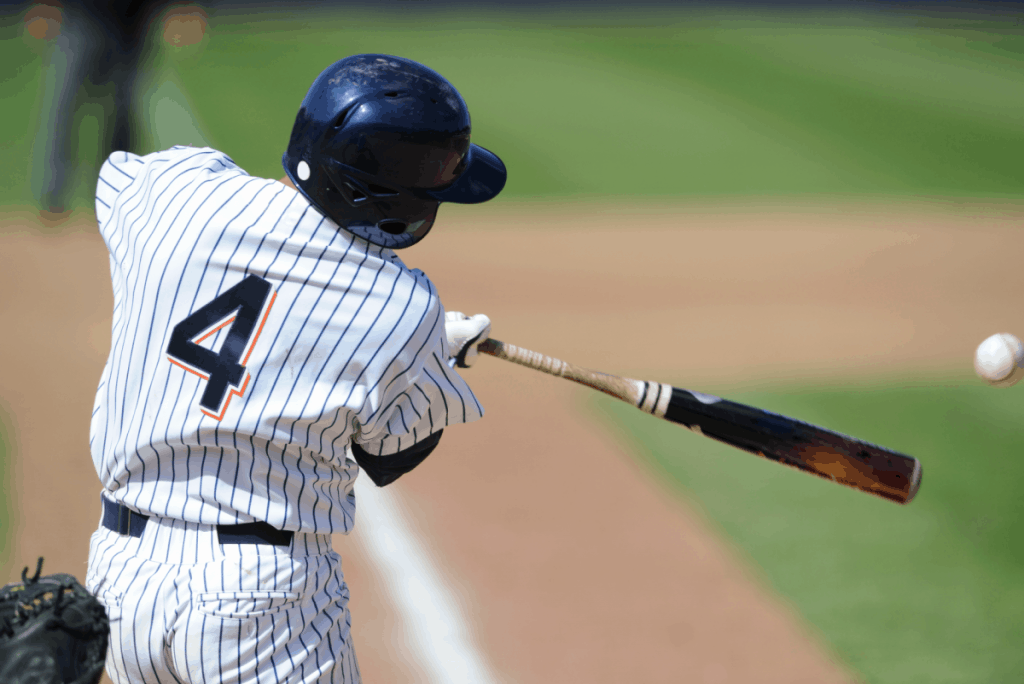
[252,340]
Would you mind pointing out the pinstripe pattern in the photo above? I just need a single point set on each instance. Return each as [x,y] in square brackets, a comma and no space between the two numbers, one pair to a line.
[352,348]
[184,608]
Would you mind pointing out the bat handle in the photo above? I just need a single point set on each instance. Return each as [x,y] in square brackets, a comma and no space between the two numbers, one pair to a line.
[524,357]
[649,397]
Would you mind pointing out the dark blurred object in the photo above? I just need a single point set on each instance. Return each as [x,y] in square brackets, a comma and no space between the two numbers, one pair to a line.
[51,630]
[95,55]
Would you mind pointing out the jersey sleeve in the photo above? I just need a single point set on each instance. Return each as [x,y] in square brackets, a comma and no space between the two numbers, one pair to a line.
[421,400]
[116,174]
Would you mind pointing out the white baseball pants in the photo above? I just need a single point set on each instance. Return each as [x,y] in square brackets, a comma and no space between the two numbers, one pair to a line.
[185,609]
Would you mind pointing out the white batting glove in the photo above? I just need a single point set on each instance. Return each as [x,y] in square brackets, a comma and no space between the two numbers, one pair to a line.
[465,333]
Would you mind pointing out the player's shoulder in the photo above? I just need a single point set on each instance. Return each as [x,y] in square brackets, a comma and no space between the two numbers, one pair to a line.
[151,174]
[121,168]
[419,279]
[424,297]
[404,293]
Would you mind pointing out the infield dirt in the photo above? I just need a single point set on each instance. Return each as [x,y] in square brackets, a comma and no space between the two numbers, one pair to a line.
[574,563]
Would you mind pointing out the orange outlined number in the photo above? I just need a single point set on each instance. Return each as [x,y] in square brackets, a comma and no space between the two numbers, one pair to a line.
[241,307]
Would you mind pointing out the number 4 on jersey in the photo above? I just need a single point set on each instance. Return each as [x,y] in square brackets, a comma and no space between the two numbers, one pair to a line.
[224,370]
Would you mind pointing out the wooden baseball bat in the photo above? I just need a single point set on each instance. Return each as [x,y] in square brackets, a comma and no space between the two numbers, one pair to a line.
[810,448]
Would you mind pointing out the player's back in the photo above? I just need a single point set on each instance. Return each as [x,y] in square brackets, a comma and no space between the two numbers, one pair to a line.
[251,341]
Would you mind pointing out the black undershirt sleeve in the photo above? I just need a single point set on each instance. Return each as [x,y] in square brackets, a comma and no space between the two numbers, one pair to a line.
[384,470]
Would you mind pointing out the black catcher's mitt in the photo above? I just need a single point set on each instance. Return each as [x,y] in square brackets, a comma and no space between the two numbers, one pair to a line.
[52,631]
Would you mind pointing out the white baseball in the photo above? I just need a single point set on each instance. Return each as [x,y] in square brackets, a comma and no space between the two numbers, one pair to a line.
[999,360]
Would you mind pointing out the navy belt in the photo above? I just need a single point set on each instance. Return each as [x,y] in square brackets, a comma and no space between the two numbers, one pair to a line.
[123,520]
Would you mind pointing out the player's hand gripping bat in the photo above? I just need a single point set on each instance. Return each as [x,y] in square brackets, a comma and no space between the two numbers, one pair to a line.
[839,458]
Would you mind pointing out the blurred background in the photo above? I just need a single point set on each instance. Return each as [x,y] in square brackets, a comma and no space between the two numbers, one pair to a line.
[653,100]
[880,118]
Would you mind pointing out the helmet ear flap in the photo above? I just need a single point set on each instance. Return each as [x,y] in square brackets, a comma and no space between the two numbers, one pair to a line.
[392,226]
[355,191]
[352,194]
[346,186]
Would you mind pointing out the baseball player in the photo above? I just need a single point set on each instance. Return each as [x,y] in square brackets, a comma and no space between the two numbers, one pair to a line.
[268,344]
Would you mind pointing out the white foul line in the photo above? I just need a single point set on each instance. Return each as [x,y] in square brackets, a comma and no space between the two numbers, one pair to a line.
[428,609]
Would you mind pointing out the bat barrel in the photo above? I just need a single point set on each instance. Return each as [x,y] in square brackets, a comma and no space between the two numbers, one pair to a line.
[813,449]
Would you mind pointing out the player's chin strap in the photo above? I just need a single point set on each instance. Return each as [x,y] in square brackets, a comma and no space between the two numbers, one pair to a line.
[465,333]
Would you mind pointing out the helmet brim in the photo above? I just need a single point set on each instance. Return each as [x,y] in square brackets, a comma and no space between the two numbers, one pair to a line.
[483,178]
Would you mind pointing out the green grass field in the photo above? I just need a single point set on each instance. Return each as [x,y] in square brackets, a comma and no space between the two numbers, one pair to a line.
[654,104]
[931,592]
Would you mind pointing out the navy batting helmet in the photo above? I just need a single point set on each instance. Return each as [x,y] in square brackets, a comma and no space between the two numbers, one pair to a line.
[380,142]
